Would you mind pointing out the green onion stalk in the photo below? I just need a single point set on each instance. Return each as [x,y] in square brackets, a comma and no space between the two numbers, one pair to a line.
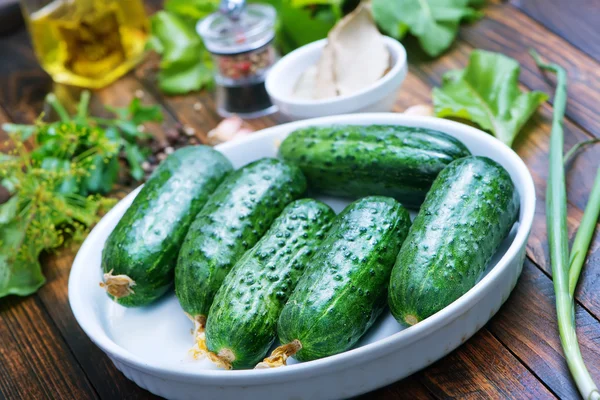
[556,219]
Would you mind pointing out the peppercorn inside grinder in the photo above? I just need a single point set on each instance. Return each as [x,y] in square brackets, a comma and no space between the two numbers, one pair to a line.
[241,44]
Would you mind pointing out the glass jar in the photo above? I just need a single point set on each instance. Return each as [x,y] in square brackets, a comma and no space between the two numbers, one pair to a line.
[242,51]
[87,43]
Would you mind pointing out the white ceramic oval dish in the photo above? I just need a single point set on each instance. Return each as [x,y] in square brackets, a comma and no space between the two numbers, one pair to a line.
[379,97]
[149,344]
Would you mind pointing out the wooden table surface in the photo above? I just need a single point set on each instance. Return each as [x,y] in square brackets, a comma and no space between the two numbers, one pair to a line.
[44,353]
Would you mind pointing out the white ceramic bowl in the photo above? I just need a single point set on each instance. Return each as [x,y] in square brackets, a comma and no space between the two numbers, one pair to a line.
[379,97]
[150,344]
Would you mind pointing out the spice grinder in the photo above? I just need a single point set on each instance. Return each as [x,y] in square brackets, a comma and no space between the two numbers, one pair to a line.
[240,39]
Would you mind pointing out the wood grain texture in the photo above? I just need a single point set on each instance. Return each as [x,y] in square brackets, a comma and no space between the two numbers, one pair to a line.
[410,388]
[577,22]
[35,360]
[517,355]
[526,324]
[108,381]
[485,370]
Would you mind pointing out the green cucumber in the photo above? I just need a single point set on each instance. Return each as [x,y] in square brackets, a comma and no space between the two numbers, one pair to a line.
[344,289]
[355,161]
[242,322]
[139,256]
[235,217]
[470,209]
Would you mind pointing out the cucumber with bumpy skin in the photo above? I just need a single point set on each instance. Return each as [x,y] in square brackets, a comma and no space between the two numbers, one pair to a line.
[242,322]
[470,209]
[355,161]
[235,217]
[140,254]
[344,289]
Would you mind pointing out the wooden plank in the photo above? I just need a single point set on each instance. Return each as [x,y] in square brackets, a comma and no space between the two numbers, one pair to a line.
[526,324]
[410,389]
[108,381]
[483,368]
[511,32]
[24,84]
[576,21]
[36,362]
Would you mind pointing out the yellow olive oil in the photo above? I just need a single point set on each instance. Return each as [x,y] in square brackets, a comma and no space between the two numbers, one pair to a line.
[89,43]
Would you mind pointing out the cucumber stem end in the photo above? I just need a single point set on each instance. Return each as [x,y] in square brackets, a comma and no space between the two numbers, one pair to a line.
[118,286]
[411,319]
[280,355]
[223,359]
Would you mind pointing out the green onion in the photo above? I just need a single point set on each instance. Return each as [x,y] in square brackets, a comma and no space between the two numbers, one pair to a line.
[584,235]
[556,219]
[571,153]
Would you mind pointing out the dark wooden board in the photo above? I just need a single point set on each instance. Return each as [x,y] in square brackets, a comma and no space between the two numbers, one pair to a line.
[35,360]
[526,325]
[575,20]
[517,355]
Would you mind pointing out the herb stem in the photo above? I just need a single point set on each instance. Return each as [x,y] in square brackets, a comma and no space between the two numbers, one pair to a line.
[556,218]
[60,110]
[82,107]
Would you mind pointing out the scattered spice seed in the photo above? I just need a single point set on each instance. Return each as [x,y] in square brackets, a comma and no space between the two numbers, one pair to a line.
[169,150]
[172,135]
[139,93]
[197,106]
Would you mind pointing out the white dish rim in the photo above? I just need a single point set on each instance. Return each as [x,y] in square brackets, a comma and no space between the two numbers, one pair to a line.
[353,356]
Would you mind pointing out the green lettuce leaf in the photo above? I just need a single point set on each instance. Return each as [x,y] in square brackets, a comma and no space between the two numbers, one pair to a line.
[183,66]
[192,9]
[20,271]
[434,22]
[487,92]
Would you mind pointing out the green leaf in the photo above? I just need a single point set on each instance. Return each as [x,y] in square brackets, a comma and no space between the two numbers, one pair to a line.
[434,22]
[22,132]
[20,272]
[300,26]
[140,113]
[384,15]
[183,65]
[8,210]
[336,5]
[102,176]
[477,3]
[487,93]
[135,158]
[67,183]
[180,79]
[193,9]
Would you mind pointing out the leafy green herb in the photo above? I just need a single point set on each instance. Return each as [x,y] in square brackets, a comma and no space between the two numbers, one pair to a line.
[55,184]
[487,93]
[46,208]
[434,22]
[301,22]
[558,238]
[185,64]
[192,9]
